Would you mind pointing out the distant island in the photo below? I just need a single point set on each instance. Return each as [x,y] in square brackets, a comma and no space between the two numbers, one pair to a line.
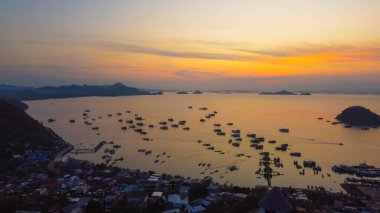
[182,93]
[33,93]
[198,92]
[359,116]
[284,92]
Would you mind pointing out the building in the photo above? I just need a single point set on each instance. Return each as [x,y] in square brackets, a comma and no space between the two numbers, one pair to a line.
[274,201]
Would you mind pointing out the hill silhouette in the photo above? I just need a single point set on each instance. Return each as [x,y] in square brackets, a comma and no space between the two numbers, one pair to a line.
[359,116]
[32,93]
[20,132]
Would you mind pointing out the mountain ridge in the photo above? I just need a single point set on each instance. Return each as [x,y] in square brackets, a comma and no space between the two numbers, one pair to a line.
[68,91]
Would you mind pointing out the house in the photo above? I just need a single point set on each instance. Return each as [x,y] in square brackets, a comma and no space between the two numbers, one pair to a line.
[137,198]
[195,209]
[177,199]
[274,201]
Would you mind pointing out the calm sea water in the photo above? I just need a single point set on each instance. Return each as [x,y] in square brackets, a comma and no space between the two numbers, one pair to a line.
[251,113]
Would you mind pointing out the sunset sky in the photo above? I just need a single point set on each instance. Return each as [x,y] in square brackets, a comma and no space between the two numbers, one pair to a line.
[198,44]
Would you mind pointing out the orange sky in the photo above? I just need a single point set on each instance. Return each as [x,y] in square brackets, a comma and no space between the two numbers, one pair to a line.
[209,44]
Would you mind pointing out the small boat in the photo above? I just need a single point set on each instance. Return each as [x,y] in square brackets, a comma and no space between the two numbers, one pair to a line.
[181,123]
[230,124]
[170,119]
[272,141]
[150,126]
[232,168]
[260,139]
[236,144]
[51,120]
[164,128]
[309,164]
[123,128]
[259,147]
[251,135]
[186,128]
[282,147]
[202,120]
[174,125]
[295,154]
[236,135]
[72,121]
[284,130]
[117,146]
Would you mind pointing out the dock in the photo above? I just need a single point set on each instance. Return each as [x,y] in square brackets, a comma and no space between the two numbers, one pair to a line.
[89,150]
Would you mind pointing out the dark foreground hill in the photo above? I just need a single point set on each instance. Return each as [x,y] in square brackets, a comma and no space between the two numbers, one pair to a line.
[359,116]
[32,93]
[20,134]
[18,104]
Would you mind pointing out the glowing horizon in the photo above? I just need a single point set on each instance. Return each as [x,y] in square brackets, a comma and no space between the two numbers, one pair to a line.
[208,45]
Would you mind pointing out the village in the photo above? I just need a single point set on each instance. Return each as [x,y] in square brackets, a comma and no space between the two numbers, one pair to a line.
[51,183]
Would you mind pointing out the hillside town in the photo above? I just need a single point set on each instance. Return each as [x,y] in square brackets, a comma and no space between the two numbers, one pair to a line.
[52,183]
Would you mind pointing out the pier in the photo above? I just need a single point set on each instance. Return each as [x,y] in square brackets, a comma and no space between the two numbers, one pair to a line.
[89,150]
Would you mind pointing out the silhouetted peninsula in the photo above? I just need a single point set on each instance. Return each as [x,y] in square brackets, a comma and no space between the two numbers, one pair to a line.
[14,102]
[359,116]
[32,93]
[198,92]
[19,133]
